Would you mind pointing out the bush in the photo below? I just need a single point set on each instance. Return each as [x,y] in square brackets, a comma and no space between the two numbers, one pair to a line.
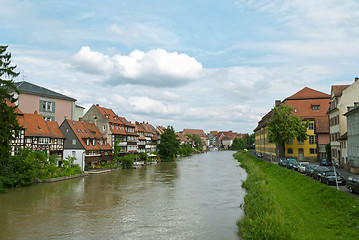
[22,169]
[127,161]
[143,156]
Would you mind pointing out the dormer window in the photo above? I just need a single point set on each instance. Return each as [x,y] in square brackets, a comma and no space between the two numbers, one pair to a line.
[316,107]
[87,141]
[73,123]
[93,142]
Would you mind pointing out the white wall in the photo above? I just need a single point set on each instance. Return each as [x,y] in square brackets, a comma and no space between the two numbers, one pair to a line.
[79,154]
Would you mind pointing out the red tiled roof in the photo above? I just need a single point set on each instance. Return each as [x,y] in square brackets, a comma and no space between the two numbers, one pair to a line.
[55,129]
[307,93]
[84,131]
[198,132]
[338,89]
[109,114]
[36,126]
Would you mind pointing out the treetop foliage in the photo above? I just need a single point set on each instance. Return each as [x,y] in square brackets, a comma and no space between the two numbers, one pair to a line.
[285,126]
[8,121]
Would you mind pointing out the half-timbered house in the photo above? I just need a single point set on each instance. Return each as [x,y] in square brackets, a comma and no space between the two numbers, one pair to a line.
[86,143]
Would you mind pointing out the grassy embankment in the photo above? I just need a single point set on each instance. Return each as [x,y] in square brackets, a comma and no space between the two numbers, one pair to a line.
[282,204]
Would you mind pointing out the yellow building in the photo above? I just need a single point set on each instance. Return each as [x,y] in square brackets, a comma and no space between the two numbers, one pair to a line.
[262,145]
[310,105]
[306,150]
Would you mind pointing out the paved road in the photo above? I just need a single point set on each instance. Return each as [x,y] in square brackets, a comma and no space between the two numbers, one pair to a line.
[343,172]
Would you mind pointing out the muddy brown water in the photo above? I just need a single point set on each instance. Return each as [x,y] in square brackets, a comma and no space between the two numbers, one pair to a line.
[198,197]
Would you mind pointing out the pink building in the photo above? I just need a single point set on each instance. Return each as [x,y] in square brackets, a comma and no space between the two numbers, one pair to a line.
[51,105]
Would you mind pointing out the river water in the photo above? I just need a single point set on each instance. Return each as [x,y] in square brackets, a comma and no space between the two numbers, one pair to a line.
[198,197]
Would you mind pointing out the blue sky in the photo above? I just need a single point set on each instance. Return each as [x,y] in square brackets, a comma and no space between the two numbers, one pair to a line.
[212,65]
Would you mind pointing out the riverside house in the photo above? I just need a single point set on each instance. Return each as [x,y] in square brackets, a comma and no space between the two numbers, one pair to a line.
[342,97]
[51,105]
[40,135]
[353,138]
[85,142]
[109,125]
[310,105]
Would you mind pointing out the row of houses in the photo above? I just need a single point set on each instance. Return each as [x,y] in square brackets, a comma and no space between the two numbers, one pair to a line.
[333,120]
[54,124]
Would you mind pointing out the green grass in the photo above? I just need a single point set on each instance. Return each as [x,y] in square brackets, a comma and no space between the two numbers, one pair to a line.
[282,204]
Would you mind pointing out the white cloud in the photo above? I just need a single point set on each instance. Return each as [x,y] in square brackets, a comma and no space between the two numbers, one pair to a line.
[153,68]
[92,62]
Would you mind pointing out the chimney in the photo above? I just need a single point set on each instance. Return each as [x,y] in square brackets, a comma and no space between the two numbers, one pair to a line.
[80,119]
[65,117]
[97,105]
[35,112]
[277,102]
[356,79]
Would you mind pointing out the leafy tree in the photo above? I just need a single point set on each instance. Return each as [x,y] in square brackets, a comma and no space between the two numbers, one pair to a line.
[169,145]
[186,149]
[127,161]
[245,142]
[143,156]
[8,121]
[285,126]
[117,149]
[197,141]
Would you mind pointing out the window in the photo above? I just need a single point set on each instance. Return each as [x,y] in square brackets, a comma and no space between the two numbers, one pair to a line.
[93,142]
[311,139]
[73,141]
[44,140]
[295,110]
[311,126]
[316,107]
[290,150]
[312,150]
[74,153]
[104,127]
[87,141]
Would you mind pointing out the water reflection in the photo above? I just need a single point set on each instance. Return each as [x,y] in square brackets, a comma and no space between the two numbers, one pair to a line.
[196,197]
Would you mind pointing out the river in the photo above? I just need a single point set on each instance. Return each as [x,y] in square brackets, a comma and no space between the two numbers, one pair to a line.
[197,197]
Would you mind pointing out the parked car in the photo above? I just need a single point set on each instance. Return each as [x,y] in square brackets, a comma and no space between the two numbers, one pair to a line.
[291,161]
[318,172]
[295,166]
[324,162]
[260,155]
[283,162]
[302,166]
[329,178]
[309,169]
[353,184]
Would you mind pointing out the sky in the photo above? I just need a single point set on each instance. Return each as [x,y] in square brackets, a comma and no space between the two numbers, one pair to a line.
[200,64]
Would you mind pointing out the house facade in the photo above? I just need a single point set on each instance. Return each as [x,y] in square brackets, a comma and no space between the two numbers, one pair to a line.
[85,142]
[310,105]
[262,144]
[353,138]
[109,125]
[51,105]
[342,96]
[39,135]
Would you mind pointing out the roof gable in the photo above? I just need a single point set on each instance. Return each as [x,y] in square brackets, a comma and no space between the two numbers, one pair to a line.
[338,89]
[308,93]
[26,87]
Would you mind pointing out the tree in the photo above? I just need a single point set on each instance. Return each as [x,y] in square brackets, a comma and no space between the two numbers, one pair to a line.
[285,126]
[8,121]
[197,141]
[169,145]
[117,149]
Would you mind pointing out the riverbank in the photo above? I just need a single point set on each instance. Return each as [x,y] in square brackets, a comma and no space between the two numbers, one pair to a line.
[282,204]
